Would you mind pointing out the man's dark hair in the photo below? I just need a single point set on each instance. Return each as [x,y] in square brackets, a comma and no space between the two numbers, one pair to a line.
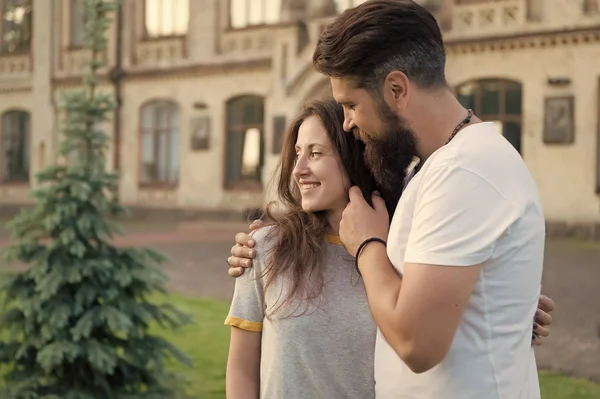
[367,42]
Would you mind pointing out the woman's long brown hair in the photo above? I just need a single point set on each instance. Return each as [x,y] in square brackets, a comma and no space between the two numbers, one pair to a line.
[299,235]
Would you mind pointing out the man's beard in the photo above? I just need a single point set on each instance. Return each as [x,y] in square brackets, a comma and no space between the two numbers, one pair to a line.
[388,154]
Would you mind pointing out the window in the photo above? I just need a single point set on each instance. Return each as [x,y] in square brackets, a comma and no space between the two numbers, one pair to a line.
[16,25]
[166,17]
[342,5]
[591,6]
[495,100]
[77,23]
[160,143]
[245,142]
[15,146]
[254,12]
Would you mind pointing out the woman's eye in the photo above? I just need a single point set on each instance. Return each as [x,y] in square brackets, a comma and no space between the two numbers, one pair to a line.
[315,153]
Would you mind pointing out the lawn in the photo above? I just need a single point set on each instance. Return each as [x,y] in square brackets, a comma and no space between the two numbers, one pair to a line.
[207,343]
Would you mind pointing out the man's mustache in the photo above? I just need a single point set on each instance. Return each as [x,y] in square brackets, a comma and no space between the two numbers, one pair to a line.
[361,135]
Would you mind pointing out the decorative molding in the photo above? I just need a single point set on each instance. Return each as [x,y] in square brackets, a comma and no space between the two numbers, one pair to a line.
[471,2]
[24,89]
[177,72]
[524,41]
[15,65]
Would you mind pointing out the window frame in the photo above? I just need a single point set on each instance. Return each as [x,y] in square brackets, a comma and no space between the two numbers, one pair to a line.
[162,36]
[156,132]
[25,136]
[501,115]
[241,127]
[18,51]
[247,24]
[76,19]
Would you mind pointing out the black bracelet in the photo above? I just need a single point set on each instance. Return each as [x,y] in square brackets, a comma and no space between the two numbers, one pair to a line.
[362,245]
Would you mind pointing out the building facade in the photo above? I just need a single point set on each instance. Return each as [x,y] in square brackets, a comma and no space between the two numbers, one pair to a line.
[206,88]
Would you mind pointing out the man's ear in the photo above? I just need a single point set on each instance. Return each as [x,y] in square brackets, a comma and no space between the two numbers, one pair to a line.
[396,90]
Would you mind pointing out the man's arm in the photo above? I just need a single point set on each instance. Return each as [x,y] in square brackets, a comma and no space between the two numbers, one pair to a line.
[456,221]
[418,322]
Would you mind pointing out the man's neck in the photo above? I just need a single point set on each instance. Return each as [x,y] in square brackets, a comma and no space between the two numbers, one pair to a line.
[437,115]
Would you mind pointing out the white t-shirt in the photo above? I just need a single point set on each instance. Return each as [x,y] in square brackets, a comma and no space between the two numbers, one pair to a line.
[473,201]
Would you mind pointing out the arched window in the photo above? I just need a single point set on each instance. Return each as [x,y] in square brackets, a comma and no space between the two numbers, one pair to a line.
[15,146]
[160,149]
[495,100]
[245,142]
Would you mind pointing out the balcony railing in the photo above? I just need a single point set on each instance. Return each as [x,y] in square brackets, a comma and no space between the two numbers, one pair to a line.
[15,66]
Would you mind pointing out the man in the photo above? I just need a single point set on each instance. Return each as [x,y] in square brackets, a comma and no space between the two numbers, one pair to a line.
[455,289]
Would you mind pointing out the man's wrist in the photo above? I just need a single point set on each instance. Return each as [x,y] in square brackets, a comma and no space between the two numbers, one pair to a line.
[365,246]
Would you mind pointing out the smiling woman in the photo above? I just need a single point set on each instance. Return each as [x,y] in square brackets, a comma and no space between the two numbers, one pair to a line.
[283,304]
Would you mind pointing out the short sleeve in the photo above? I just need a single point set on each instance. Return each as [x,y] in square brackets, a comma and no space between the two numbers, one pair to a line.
[246,311]
[458,218]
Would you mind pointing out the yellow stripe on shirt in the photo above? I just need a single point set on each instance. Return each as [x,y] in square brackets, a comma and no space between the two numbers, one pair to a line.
[243,324]
[333,239]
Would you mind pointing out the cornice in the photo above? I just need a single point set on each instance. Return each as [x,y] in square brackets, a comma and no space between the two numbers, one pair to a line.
[544,39]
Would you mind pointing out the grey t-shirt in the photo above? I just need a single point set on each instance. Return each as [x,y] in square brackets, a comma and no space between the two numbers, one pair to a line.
[327,351]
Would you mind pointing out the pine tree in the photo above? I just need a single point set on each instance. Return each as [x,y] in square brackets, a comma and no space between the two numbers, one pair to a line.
[76,323]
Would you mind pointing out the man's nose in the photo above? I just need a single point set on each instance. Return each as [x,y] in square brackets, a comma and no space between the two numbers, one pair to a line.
[348,122]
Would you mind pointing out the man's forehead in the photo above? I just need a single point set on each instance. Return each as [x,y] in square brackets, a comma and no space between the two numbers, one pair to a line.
[341,89]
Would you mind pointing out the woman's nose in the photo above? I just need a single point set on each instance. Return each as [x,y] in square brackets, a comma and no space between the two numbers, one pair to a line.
[301,167]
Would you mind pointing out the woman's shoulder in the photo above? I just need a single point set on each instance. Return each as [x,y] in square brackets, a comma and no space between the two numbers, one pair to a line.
[264,237]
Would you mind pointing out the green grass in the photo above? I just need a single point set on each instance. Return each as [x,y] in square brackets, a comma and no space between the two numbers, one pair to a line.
[556,386]
[206,343]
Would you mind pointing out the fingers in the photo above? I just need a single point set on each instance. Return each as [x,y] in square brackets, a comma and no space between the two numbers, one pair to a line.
[235,271]
[378,202]
[542,318]
[241,254]
[256,224]
[537,341]
[244,240]
[355,194]
[237,251]
[540,331]
[546,304]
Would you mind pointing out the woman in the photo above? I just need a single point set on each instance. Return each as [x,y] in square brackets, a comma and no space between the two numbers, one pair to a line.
[301,326]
